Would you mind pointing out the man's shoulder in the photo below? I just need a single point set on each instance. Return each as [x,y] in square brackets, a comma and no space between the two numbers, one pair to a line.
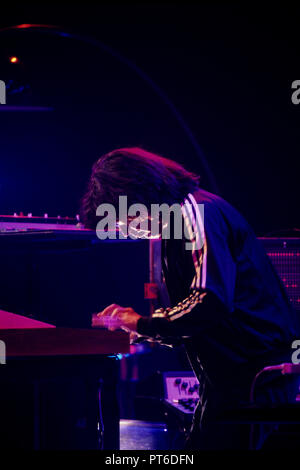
[205,197]
[218,209]
[213,202]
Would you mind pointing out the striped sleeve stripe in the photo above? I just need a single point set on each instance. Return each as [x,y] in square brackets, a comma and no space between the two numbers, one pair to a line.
[202,252]
[187,305]
[197,248]
[195,226]
[186,210]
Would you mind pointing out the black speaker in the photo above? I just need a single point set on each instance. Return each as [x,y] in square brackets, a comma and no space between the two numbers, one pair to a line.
[285,256]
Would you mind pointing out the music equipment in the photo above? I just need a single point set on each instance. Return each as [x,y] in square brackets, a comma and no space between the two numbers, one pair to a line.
[21,222]
[181,391]
[284,254]
[63,273]
[25,337]
[58,388]
[47,259]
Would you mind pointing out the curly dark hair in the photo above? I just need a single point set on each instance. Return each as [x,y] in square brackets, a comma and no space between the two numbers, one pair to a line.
[143,177]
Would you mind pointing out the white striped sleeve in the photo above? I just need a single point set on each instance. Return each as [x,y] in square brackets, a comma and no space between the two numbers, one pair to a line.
[194,222]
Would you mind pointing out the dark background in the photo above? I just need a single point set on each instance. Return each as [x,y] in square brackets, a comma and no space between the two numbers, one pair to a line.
[227,69]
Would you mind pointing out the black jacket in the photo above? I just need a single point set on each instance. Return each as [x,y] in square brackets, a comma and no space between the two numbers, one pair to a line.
[229,307]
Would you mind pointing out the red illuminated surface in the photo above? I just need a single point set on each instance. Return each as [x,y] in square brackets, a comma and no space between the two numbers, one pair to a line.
[12,321]
[23,26]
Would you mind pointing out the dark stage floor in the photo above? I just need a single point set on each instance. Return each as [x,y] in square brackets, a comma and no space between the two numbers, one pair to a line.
[143,435]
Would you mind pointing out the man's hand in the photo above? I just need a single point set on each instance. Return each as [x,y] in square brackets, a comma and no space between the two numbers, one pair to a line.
[115,317]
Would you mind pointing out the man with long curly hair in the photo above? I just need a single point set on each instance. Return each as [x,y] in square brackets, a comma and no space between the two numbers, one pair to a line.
[228,306]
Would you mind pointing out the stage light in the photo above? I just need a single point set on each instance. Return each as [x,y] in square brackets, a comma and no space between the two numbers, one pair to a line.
[24,26]
[14,60]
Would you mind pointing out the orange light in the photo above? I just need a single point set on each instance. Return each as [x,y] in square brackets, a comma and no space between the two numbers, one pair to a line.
[14,60]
